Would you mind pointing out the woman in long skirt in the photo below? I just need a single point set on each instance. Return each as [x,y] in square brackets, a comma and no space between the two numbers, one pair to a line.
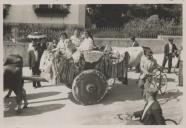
[46,64]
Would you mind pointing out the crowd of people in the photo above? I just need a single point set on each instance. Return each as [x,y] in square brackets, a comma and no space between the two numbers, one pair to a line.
[40,55]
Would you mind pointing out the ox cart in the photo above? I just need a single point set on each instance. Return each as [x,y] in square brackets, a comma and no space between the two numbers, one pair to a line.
[88,76]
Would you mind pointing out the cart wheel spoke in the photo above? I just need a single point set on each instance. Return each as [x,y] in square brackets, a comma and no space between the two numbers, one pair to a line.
[89,87]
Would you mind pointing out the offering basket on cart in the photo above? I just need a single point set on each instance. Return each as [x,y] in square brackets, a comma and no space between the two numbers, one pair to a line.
[88,77]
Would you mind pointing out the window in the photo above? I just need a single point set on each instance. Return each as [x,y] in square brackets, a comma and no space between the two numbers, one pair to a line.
[52,10]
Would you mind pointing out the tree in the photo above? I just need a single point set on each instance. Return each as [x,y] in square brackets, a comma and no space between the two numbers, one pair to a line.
[120,14]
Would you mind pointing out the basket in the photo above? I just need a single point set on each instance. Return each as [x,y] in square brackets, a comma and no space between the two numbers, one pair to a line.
[92,56]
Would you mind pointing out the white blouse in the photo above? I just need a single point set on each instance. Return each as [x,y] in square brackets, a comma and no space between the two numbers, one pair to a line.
[46,60]
[147,66]
[61,45]
[86,44]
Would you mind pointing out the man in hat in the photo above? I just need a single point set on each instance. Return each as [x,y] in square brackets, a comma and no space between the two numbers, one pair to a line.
[152,112]
[34,56]
[39,38]
[135,44]
[169,52]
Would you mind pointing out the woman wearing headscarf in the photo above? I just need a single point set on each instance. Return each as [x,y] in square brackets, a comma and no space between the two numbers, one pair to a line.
[46,66]
[61,44]
[75,38]
[87,43]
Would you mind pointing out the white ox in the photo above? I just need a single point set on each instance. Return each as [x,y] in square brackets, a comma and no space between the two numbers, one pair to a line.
[135,54]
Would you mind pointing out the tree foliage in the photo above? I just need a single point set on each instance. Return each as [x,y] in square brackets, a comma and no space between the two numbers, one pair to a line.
[120,14]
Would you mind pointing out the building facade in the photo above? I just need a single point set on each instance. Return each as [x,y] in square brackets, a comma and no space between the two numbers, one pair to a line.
[27,14]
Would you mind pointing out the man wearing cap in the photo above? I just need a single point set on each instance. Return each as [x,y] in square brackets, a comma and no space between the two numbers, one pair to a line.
[169,51]
[40,39]
[152,112]
[135,44]
[34,62]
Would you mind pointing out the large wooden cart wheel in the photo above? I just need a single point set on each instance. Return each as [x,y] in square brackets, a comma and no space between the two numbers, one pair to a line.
[89,87]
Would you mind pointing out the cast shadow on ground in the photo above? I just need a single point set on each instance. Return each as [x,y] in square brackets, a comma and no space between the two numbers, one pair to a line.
[121,92]
[132,92]
[10,103]
[170,95]
[52,85]
[12,100]
[41,95]
[48,85]
[34,110]
[71,97]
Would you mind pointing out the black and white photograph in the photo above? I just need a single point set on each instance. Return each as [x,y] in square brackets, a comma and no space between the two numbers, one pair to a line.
[92,64]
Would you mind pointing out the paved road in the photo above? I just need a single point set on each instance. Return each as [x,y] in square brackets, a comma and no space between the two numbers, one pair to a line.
[54,105]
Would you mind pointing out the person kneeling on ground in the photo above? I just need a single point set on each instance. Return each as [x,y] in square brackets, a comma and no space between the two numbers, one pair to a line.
[152,112]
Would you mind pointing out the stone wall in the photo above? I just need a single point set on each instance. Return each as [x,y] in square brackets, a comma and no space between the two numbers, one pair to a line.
[157,45]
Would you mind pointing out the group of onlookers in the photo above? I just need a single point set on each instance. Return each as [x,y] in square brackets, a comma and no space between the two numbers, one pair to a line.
[170,51]
[40,57]
[152,112]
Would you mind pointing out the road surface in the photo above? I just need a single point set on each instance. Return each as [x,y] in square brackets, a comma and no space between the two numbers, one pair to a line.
[52,105]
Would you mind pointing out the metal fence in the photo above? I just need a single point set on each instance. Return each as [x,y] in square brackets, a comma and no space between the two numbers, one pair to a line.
[148,32]
[20,31]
